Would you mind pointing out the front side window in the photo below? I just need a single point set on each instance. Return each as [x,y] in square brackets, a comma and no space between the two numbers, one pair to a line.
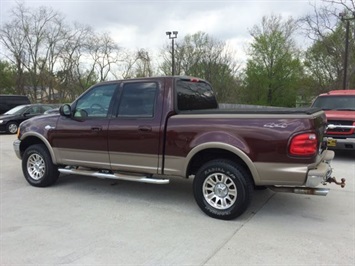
[95,103]
[138,100]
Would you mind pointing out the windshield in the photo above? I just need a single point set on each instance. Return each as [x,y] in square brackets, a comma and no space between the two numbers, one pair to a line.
[335,102]
[16,110]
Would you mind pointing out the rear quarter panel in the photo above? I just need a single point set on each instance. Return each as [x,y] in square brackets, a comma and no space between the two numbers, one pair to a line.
[259,140]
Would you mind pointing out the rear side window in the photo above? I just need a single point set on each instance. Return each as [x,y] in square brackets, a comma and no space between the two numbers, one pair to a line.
[35,110]
[138,99]
[47,107]
[195,95]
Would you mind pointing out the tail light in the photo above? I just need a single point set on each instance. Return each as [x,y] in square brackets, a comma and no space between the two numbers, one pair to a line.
[303,144]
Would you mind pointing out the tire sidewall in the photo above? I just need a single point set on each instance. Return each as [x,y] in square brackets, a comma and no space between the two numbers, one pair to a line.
[240,182]
[49,176]
[9,125]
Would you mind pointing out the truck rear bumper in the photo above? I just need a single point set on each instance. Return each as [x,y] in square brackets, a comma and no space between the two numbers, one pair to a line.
[319,175]
[283,174]
[323,171]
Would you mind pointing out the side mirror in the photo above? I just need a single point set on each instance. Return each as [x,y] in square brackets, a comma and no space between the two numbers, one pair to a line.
[65,110]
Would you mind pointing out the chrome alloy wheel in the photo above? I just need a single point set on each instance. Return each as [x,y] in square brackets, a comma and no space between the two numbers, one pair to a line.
[12,128]
[220,191]
[36,166]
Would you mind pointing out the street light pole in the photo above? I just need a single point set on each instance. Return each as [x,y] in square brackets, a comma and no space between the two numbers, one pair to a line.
[346,55]
[172,36]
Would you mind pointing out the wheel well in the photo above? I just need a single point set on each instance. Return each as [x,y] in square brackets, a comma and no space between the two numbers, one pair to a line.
[11,122]
[28,142]
[207,155]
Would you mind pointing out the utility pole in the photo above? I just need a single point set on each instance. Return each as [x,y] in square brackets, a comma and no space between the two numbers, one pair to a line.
[346,19]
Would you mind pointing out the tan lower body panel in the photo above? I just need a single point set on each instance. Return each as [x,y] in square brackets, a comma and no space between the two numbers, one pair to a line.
[269,173]
[135,162]
[86,158]
[130,162]
[281,174]
[175,166]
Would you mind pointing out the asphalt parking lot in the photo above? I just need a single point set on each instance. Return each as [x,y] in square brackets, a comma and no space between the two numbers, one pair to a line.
[89,221]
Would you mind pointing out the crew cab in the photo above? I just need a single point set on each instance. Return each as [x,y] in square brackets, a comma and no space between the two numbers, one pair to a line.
[154,129]
[339,107]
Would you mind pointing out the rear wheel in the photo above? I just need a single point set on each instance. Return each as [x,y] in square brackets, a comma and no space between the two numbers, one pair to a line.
[37,166]
[11,127]
[222,189]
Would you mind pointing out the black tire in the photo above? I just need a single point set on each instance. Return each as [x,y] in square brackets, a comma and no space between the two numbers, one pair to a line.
[223,189]
[37,166]
[260,188]
[11,127]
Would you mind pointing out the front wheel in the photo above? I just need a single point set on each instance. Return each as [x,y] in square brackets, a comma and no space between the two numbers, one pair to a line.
[222,189]
[37,166]
[11,127]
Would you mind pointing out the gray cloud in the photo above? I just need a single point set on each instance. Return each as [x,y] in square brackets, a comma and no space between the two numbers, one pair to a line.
[143,23]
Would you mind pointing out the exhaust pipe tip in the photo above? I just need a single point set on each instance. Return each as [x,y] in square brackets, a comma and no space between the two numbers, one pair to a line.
[312,191]
[302,190]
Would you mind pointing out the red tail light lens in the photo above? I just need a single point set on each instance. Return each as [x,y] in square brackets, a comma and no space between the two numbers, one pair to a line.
[303,145]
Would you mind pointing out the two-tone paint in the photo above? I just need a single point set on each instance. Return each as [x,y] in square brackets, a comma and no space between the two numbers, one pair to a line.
[173,143]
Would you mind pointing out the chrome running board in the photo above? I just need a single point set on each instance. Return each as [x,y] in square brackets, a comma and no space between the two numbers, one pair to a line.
[110,175]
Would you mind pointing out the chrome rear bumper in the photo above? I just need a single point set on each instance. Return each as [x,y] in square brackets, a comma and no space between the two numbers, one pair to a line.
[323,171]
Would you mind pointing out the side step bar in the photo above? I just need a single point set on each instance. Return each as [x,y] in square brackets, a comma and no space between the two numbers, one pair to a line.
[110,175]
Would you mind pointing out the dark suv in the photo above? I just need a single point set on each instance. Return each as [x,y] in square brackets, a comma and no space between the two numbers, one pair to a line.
[10,121]
[8,102]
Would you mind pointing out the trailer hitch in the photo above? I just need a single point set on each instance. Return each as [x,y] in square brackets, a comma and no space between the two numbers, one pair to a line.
[333,180]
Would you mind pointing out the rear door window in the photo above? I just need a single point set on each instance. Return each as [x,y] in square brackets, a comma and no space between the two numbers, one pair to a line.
[138,99]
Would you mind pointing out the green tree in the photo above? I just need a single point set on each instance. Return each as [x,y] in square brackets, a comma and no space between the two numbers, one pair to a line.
[49,53]
[7,78]
[203,56]
[324,59]
[273,72]
[323,62]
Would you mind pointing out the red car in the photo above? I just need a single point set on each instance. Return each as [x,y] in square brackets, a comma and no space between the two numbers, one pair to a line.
[339,107]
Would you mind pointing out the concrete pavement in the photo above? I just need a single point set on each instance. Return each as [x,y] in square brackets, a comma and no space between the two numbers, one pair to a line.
[88,221]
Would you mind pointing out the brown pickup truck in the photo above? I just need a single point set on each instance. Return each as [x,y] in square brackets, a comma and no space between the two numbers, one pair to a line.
[152,129]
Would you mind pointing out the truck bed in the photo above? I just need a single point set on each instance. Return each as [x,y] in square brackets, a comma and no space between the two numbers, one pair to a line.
[255,110]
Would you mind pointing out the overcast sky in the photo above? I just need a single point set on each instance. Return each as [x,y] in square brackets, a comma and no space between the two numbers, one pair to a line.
[143,23]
